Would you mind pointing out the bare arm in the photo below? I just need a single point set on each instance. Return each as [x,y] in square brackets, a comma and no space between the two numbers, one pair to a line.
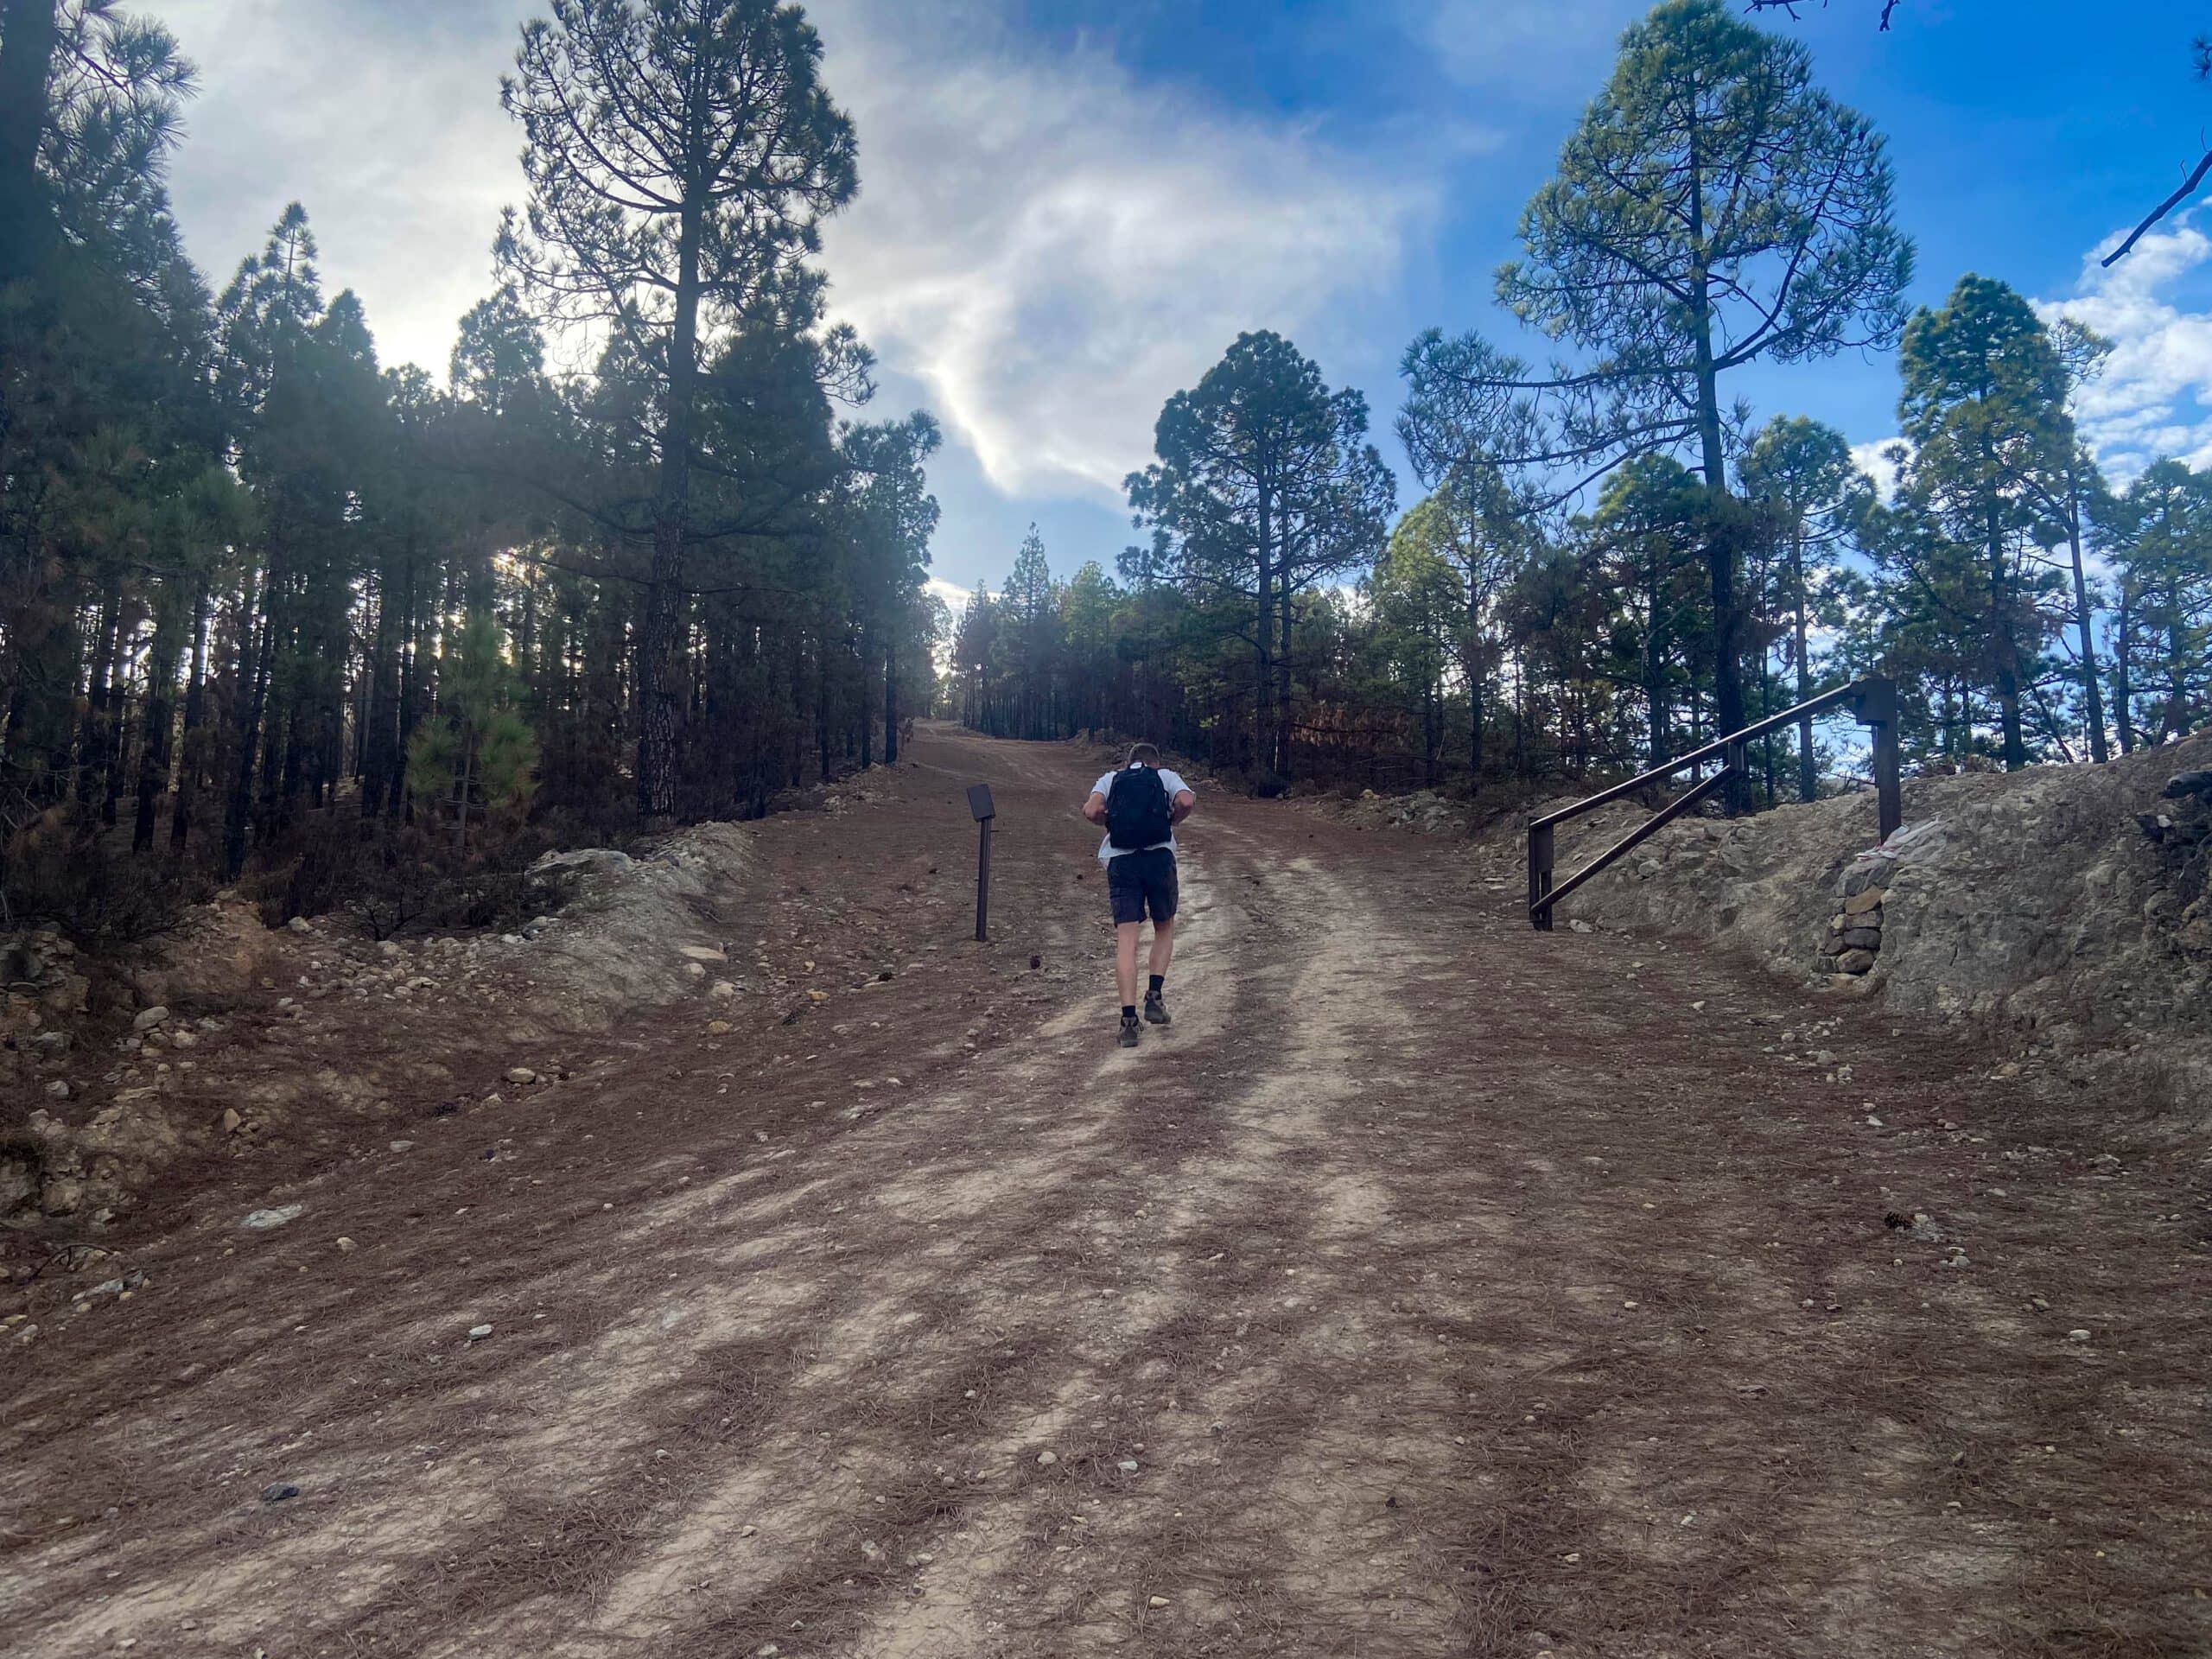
[1095,808]
[1181,807]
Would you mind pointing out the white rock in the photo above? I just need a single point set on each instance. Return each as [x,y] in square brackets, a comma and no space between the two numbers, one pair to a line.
[149,1017]
[478,1332]
[2077,1335]
[262,1220]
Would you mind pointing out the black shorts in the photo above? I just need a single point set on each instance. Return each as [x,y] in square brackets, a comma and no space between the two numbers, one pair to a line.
[1138,881]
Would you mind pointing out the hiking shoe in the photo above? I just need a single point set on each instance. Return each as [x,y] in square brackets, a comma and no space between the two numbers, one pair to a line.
[1156,1008]
[1128,1031]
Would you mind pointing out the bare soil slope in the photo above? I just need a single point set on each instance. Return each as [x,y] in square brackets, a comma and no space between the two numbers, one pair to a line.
[1430,1287]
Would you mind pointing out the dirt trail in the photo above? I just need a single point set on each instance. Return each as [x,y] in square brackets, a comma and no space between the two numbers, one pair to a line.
[1430,1287]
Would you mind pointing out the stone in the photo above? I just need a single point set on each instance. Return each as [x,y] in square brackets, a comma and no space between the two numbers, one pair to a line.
[262,1221]
[1862,938]
[1157,1601]
[148,1019]
[2185,783]
[299,925]
[2077,1335]
[562,869]
[231,1121]
[1865,899]
[521,1074]
[182,1037]
[1046,1460]
[1578,925]
[403,1145]
[722,990]
[277,1490]
[478,1332]
[719,1027]
[346,1247]
[58,1089]
[1855,961]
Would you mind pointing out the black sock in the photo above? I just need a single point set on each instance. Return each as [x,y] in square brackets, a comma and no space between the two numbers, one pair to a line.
[1158,980]
[1128,1010]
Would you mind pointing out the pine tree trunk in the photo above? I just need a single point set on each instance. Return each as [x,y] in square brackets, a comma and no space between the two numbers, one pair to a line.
[255,664]
[189,762]
[2091,693]
[153,748]
[657,667]
[2123,694]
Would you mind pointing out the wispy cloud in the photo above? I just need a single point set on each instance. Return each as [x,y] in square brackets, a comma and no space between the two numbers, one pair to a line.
[2154,397]
[1053,247]
[1540,47]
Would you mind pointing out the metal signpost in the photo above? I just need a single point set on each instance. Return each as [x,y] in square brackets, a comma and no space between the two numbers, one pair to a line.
[979,803]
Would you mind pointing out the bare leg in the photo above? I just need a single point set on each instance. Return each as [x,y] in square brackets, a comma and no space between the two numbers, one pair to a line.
[1125,961]
[1163,948]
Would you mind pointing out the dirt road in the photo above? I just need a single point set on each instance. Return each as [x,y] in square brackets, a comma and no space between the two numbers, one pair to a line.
[1431,1287]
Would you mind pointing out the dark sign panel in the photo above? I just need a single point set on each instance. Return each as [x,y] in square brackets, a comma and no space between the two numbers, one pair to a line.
[979,802]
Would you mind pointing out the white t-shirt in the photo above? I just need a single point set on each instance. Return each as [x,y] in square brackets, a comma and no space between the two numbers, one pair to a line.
[1173,781]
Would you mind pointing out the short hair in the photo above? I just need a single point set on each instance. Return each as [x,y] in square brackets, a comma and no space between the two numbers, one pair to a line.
[1143,754]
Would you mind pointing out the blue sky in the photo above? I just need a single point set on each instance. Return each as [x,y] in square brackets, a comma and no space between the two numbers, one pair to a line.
[1069,207]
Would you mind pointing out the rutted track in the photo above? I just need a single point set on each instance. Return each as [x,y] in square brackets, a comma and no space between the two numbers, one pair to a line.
[1430,1287]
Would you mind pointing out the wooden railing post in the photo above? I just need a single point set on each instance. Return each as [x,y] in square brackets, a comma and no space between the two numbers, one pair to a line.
[1876,705]
[1540,877]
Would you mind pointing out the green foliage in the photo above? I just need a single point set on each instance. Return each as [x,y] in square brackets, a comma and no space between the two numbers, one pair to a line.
[2161,530]
[475,753]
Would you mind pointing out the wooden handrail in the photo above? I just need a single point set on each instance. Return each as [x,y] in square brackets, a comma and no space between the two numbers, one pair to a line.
[1873,703]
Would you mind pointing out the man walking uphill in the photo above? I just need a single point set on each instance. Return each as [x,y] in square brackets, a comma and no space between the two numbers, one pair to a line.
[1141,805]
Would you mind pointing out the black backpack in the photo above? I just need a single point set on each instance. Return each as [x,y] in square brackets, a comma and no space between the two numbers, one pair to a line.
[1136,809]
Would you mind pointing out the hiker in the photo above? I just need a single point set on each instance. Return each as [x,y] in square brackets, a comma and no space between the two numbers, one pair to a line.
[1141,805]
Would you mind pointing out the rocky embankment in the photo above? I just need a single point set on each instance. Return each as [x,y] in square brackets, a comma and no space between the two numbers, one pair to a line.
[226,1035]
[2064,912]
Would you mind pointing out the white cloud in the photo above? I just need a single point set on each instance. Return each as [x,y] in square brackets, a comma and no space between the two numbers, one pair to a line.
[383,120]
[2154,397]
[1873,459]
[1054,248]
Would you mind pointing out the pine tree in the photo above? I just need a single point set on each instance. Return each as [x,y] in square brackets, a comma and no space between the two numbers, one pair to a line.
[476,754]
[681,156]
